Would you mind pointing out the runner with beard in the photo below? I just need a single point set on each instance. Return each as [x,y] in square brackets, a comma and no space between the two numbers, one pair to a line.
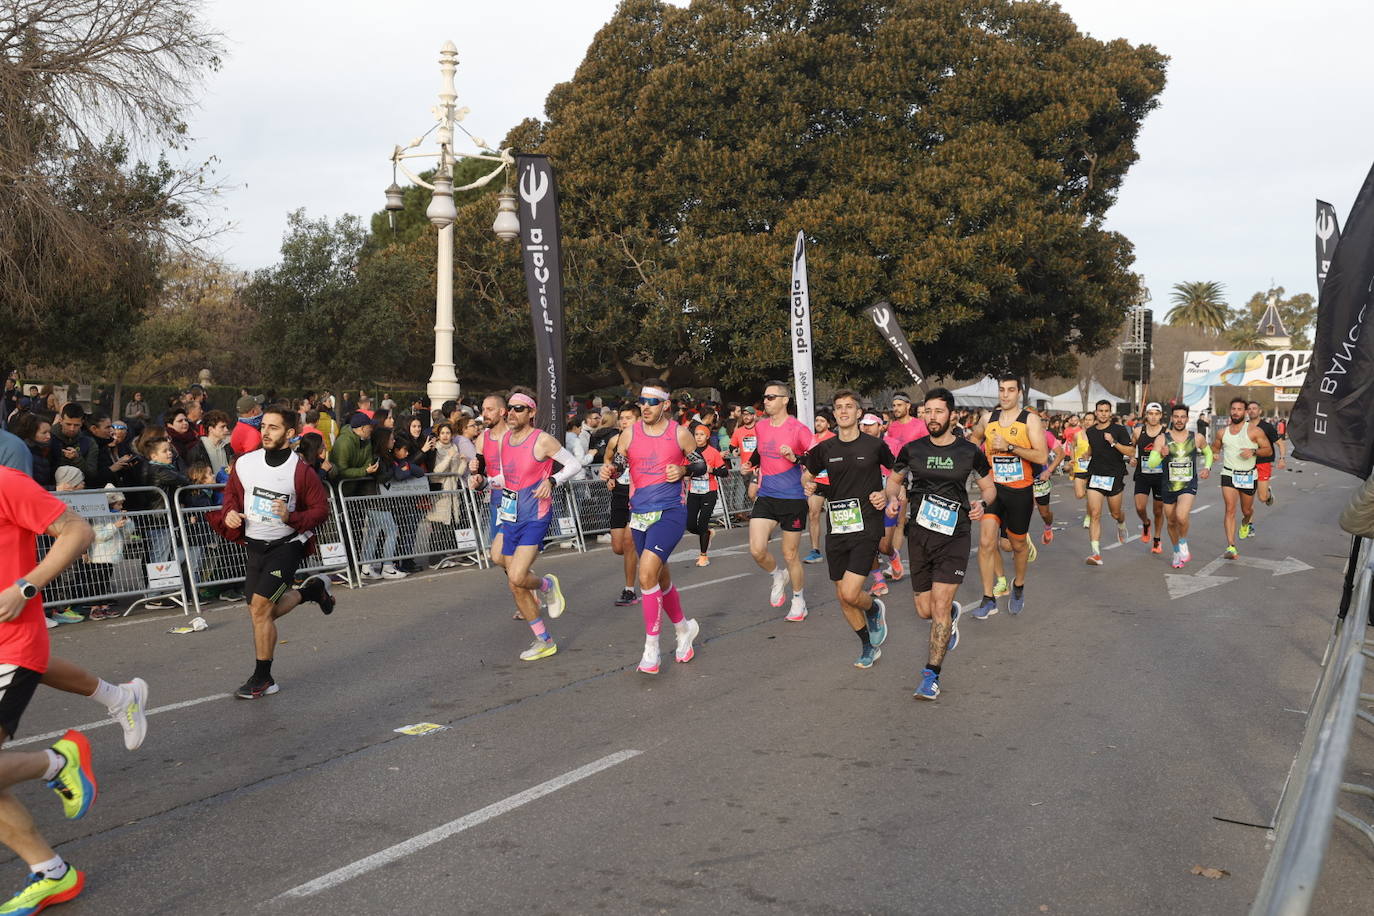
[1108,447]
[854,501]
[1240,444]
[936,470]
[1149,477]
[902,429]
[485,469]
[780,502]
[622,543]
[1177,452]
[661,455]
[1264,464]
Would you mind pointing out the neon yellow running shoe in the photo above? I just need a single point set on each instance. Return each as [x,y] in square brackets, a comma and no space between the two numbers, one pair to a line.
[552,593]
[42,891]
[1032,553]
[540,648]
[1001,588]
[75,782]
[1231,553]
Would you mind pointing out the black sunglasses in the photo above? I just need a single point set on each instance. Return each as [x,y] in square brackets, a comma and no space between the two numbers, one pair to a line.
[518,408]
[652,402]
[773,397]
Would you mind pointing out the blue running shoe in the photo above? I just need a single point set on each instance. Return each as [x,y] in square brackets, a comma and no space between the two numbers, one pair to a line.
[877,623]
[869,655]
[986,609]
[1017,603]
[930,686]
[814,556]
[955,611]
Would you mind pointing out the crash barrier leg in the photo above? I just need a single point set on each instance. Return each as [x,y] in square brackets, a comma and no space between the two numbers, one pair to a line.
[408,521]
[565,529]
[118,564]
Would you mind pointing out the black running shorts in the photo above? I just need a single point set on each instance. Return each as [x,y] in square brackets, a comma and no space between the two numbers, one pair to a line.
[1150,483]
[934,557]
[1117,484]
[270,568]
[1227,481]
[790,514]
[620,506]
[16,689]
[851,553]
[1013,509]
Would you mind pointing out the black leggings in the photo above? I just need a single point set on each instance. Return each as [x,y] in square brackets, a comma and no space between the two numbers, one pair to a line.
[700,507]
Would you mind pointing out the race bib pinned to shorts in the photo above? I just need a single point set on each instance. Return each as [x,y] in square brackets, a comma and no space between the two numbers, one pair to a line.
[1042,488]
[509,500]
[1104,482]
[699,485]
[1007,469]
[846,516]
[1243,480]
[642,521]
[1146,469]
[938,514]
[1180,471]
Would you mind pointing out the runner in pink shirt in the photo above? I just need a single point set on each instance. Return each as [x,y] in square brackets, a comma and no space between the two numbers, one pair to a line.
[781,501]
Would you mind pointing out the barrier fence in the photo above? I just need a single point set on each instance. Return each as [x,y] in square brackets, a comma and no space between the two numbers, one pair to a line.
[410,521]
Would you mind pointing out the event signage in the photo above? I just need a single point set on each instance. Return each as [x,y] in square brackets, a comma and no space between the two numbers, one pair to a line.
[799,314]
[1206,369]
[1328,234]
[1333,420]
[885,319]
[542,250]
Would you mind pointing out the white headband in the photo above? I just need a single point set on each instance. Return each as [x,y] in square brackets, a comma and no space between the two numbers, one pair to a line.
[649,391]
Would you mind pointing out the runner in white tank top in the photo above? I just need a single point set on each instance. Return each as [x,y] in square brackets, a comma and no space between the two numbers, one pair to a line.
[1239,444]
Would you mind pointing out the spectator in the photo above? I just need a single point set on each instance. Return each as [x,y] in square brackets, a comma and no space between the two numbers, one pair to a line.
[195,415]
[387,403]
[114,460]
[353,458]
[9,401]
[47,405]
[70,446]
[69,478]
[312,451]
[183,437]
[137,409]
[365,405]
[380,521]
[213,447]
[422,444]
[107,551]
[384,419]
[247,434]
[576,442]
[309,423]
[327,424]
[466,432]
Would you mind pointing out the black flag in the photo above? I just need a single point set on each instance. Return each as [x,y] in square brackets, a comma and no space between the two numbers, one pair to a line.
[541,247]
[1333,420]
[1328,235]
[885,319]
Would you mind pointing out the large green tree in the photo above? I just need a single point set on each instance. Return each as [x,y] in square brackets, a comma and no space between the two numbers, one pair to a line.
[1199,304]
[955,158]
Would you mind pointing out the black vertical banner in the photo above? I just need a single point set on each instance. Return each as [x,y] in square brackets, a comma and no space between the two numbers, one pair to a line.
[542,250]
[1328,236]
[1333,420]
[885,320]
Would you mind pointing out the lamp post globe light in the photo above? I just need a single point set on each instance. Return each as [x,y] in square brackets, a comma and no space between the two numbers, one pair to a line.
[442,212]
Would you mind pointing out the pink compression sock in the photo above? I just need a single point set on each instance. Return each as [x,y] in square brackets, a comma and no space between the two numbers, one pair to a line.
[540,631]
[652,599]
[672,604]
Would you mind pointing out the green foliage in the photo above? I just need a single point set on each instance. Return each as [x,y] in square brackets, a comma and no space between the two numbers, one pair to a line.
[1298,312]
[1200,304]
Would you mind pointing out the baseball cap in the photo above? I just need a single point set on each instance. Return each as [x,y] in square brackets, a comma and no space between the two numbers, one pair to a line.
[359,420]
[871,420]
[749,408]
[1154,405]
[248,402]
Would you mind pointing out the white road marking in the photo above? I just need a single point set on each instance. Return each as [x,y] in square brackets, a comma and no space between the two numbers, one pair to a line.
[452,828]
[1200,508]
[137,620]
[34,739]
[683,588]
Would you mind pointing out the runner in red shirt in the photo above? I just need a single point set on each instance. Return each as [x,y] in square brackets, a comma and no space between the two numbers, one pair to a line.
[904,428]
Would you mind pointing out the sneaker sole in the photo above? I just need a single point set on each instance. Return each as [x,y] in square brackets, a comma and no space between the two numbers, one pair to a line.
[258,696]
[790,618]
[694,630]
[877,654]
[927,696]
[991,612]
[90,789]
[552,650]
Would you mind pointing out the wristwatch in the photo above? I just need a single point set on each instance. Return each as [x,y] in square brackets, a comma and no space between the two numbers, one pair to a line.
[26,588]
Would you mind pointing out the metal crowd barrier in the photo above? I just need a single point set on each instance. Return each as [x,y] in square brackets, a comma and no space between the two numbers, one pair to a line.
[409,521]
[1309,804]
[133,554]
[734,494]
[566,527]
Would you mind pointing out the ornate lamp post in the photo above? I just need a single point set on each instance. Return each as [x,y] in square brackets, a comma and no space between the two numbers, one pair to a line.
[443,380]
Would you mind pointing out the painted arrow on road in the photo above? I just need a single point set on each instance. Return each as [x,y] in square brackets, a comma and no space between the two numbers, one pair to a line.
[1183,586]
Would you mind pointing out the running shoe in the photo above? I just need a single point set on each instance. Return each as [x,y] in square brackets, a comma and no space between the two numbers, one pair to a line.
[798,611]
[231,594]
[877,623]
[1187,554]
[879,588]
[627,597]
[1145,533]
[1095,560]
[42,891]
[1048,536]
[955,610]
[1015,604]
[51,624]
[540,648]
[1254,529]
[685,652]
[895,570]
[1270,500]
[867,657]
[815,556]
[1157,548]
[1121,532]
[552,593]
[67,615]
[1000,588]
[648,662]
[109,614]
[930,686]
[254,689]
[128,712]
[369,572]
[389,571]
[703,560]
[75,782]
[319,593]
[1032,552]
[986,609]
[1087,521]
[1178,561]
[1231,553]
[777,592]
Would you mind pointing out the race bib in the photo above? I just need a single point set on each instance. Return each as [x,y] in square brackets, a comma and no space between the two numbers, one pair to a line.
[1145,466]
[1104,482]
[1083,465]
[508,503]
[641,521]
[260,505]
[938,514]
[749,444]
[846,516]
[699,485]
[1243,480]
[1180,471]
[1042,488]
[1007,469]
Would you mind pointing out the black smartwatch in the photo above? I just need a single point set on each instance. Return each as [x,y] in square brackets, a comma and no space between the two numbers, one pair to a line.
[26,588]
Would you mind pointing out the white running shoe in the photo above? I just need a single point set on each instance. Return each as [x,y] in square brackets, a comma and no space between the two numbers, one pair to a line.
[370,572]
[648,662]
[391,572]
[1185,552]
[797,613]
[685,652]
[128,712]
[778,593]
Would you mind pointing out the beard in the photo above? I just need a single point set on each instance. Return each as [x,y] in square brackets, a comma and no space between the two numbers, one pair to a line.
[936,428]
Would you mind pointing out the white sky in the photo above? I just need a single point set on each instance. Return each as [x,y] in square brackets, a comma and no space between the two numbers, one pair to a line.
[1266,108]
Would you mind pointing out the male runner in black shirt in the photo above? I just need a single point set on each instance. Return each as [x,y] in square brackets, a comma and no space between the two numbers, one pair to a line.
[854,515]
[1109,444]
[937,468]
[1264,464]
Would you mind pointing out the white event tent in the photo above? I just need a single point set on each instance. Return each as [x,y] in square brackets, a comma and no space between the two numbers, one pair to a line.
[983,393]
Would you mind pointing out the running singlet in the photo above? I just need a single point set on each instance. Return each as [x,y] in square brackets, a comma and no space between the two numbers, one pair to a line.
[899,434]
[780,478]
[1043,487]
[1079,442]
[650,455]
[1144,445]
[1231,445]
[937,482]
[1106,460]
[708,482]
[1180,464]
[523,474]
[855,470]
[1009,470]
[491,456]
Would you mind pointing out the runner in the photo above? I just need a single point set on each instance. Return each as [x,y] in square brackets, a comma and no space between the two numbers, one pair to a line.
[702,491]
[1077,445]
[1240,444]
[526,511]
[273,502]
[484,471]
[622,544]
[853,464]
[872,425]
[937,469]
[781,501]
[1108,447]
[1043,486]
[1264,464]
[660,454]
[1013,439]
[904,428]
[26,511]
[1183,449]
[1149,476]
[815,503]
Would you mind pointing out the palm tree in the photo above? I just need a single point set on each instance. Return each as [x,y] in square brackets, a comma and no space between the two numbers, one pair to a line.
[1201,304]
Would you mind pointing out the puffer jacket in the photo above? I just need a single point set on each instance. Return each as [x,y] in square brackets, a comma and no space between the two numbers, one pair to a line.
[1358,517]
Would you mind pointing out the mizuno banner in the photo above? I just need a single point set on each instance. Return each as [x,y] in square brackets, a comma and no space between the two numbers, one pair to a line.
[799,317]
[541,247]
[1333,420]
[1328,235]
[886,321]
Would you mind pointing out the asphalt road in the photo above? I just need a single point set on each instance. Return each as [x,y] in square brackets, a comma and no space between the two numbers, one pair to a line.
[1080,760]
